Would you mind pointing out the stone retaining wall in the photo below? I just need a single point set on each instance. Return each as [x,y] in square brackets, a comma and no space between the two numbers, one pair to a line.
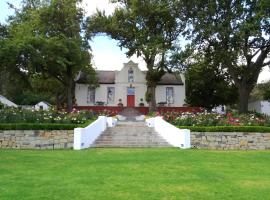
[230,140]
[36,139]
[63,139]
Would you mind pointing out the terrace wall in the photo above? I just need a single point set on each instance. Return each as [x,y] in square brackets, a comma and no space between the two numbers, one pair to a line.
[36,139]
[230,140]
[63,139]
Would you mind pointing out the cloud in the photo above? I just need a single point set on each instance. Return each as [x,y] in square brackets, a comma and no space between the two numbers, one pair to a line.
[92,5]
[107,55]
[264,75]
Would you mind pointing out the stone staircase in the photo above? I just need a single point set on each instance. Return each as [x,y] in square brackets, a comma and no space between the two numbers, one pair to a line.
[130,134]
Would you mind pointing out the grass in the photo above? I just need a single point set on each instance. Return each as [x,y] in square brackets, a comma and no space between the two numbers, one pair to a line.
[134,174]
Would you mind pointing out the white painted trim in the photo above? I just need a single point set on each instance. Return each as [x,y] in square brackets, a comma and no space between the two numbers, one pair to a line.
[85,137]
[174,136]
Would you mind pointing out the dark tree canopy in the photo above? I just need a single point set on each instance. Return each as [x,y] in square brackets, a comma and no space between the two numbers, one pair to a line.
[236,35]
[46,37]
[207,86]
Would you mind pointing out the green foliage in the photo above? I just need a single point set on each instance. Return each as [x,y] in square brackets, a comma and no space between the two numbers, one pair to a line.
[43,126]
[245,129]
[235,35]
[47,37]
[14,115]
[214,119]
[207,86]
[261,91]
[148,96]
[35,126]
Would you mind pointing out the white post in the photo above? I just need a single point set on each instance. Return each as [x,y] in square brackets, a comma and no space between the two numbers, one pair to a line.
[77,139]
[185,142]
[104,120]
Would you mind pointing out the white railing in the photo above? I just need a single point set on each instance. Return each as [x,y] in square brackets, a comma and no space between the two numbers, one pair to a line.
[85,137]
[174,136]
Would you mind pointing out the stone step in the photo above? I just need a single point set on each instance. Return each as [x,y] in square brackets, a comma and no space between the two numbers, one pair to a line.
[130,134]
[121,145]
[129,141]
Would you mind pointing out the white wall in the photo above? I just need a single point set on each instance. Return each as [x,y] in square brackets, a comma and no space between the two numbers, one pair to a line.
[121,85]
[122,76]
[265,106]
[173,135]
[7,102]
[44,106]
[260,107]
[179,94]
[255,106]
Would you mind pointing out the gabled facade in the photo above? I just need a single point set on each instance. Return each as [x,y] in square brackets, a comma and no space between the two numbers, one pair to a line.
[128,86]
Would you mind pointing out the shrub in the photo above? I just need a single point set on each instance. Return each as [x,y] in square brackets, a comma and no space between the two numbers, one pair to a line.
[15,115]
[214,119]
[258,129]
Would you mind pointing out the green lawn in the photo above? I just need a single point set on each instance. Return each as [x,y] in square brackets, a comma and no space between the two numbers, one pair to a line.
[134,174]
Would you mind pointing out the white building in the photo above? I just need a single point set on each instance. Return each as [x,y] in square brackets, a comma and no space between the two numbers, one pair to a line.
[7,102]
[128,86]
[260,106]
[43,105]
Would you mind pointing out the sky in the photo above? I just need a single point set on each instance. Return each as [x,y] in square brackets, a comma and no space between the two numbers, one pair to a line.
[107,55]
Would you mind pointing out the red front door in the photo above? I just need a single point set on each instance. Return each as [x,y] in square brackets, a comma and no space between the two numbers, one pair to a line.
[130,97]
[130,100]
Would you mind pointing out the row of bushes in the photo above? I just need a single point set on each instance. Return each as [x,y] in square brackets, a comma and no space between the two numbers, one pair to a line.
[15,115]
[42,126]
[247,129]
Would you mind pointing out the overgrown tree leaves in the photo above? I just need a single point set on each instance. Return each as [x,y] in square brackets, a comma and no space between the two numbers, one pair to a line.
[235,34]
[145,28]
[207,86]
[47,38]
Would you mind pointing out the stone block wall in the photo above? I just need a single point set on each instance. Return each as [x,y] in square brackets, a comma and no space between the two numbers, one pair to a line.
[63,139]
[230,140]
[36,139]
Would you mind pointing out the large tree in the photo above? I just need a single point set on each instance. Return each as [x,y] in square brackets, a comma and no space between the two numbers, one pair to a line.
[236,35]
[145,28]
[47,38]
[208,86]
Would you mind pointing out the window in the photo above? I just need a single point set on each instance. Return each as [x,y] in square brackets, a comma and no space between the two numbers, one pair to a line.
[130,75]
[110,94]
[169,95]
[91,95]
[130,91]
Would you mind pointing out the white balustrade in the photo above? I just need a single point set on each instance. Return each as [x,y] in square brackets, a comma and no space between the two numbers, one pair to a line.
[85,137]
[173,135]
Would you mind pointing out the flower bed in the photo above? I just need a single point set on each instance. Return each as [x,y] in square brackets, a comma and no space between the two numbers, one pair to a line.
[15,115]
[213,119]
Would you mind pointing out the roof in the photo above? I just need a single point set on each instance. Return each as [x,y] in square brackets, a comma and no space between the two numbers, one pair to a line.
[7,102]
[104,77]
[45,102]
[170,79]
[108,77]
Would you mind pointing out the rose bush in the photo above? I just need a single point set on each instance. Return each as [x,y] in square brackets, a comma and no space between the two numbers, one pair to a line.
[15,115]
[214,119]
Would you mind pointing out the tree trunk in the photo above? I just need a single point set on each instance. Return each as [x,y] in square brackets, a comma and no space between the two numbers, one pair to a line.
[69,90]
[152,104]
[244,93]
[69,97]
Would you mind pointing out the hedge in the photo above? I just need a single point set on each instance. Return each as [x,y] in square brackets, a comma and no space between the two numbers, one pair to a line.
[258,129]
[41,126]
